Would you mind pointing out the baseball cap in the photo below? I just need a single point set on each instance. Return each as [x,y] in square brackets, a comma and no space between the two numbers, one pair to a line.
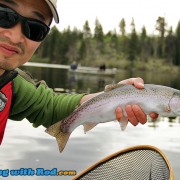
[53,6]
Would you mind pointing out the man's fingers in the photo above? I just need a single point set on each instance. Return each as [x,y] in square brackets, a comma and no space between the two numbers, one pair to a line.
[131,116]
[154,116]
[137,82]
[135,114]
[119,113]
[140,115]
[127,81]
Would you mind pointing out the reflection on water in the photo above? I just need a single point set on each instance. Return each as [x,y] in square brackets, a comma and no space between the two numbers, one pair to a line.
[28,147]
[57,78]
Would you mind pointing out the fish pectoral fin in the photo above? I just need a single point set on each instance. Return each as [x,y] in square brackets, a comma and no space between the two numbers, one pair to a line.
[167,108]
[112,86]
[88,126]
[123,123]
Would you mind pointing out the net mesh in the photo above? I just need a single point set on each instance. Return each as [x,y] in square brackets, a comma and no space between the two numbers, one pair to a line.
[133,165]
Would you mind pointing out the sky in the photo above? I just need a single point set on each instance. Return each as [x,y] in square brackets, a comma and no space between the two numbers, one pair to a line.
[74,13]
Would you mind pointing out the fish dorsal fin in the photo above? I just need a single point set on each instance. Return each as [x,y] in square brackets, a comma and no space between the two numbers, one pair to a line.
[112,86]
[88,126]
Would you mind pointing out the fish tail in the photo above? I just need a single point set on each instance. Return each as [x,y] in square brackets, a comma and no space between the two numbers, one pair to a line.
[61,137]
[53,130]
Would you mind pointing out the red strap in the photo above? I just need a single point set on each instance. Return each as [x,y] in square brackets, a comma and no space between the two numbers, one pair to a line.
[5,108]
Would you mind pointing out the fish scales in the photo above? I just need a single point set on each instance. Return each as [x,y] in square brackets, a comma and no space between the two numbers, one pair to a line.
[100,109]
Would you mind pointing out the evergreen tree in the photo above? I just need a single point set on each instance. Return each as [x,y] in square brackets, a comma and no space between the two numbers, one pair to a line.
[98,31]
[99,35]
[86,48]
[65,46]
[144,50]
[65,42]
[86,31]
[122,49]
[170,46]
[50,46]
[161,27]
[111,44]
[82,50]
[73,45]
[176,58]
[133,43]
[122,27]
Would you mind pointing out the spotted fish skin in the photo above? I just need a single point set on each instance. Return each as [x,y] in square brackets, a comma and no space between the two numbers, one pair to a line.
[162,100]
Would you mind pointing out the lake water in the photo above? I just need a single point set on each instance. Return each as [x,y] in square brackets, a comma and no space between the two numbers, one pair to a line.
[61,78]
[28,147]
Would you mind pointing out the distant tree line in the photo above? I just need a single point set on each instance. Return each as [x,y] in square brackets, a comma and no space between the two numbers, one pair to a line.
[88,48]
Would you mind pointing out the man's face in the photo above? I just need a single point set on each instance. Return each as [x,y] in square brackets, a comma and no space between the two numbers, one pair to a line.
[15,48]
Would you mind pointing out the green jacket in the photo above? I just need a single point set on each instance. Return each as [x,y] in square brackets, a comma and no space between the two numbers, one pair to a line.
[38,103]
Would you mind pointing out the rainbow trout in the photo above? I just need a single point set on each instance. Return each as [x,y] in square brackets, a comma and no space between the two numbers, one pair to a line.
[162,100]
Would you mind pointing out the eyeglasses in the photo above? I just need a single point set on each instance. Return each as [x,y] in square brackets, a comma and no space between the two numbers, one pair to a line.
[34,30]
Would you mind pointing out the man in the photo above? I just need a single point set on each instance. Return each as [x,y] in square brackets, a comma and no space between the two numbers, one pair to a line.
[23,26]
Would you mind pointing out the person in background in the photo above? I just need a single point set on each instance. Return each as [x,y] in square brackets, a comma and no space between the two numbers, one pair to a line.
[74,66]
[102,67]
[23,26]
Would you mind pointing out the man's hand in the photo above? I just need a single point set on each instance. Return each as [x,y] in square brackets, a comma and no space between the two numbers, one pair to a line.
[135,114]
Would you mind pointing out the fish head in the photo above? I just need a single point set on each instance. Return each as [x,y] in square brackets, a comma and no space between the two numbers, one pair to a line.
[175,103]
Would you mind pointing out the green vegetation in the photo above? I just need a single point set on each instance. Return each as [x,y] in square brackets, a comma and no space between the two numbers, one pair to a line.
[134,50]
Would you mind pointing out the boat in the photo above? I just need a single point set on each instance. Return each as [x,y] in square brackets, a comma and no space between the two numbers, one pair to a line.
[79,69]
[94,71]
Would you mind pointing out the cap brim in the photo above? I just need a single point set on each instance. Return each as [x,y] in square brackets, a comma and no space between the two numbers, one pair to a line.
[53,10]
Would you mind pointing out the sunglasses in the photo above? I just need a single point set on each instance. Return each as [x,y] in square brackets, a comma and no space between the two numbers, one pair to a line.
[34,30]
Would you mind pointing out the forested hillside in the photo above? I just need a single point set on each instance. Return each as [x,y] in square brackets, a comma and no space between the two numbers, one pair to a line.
[117,48]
